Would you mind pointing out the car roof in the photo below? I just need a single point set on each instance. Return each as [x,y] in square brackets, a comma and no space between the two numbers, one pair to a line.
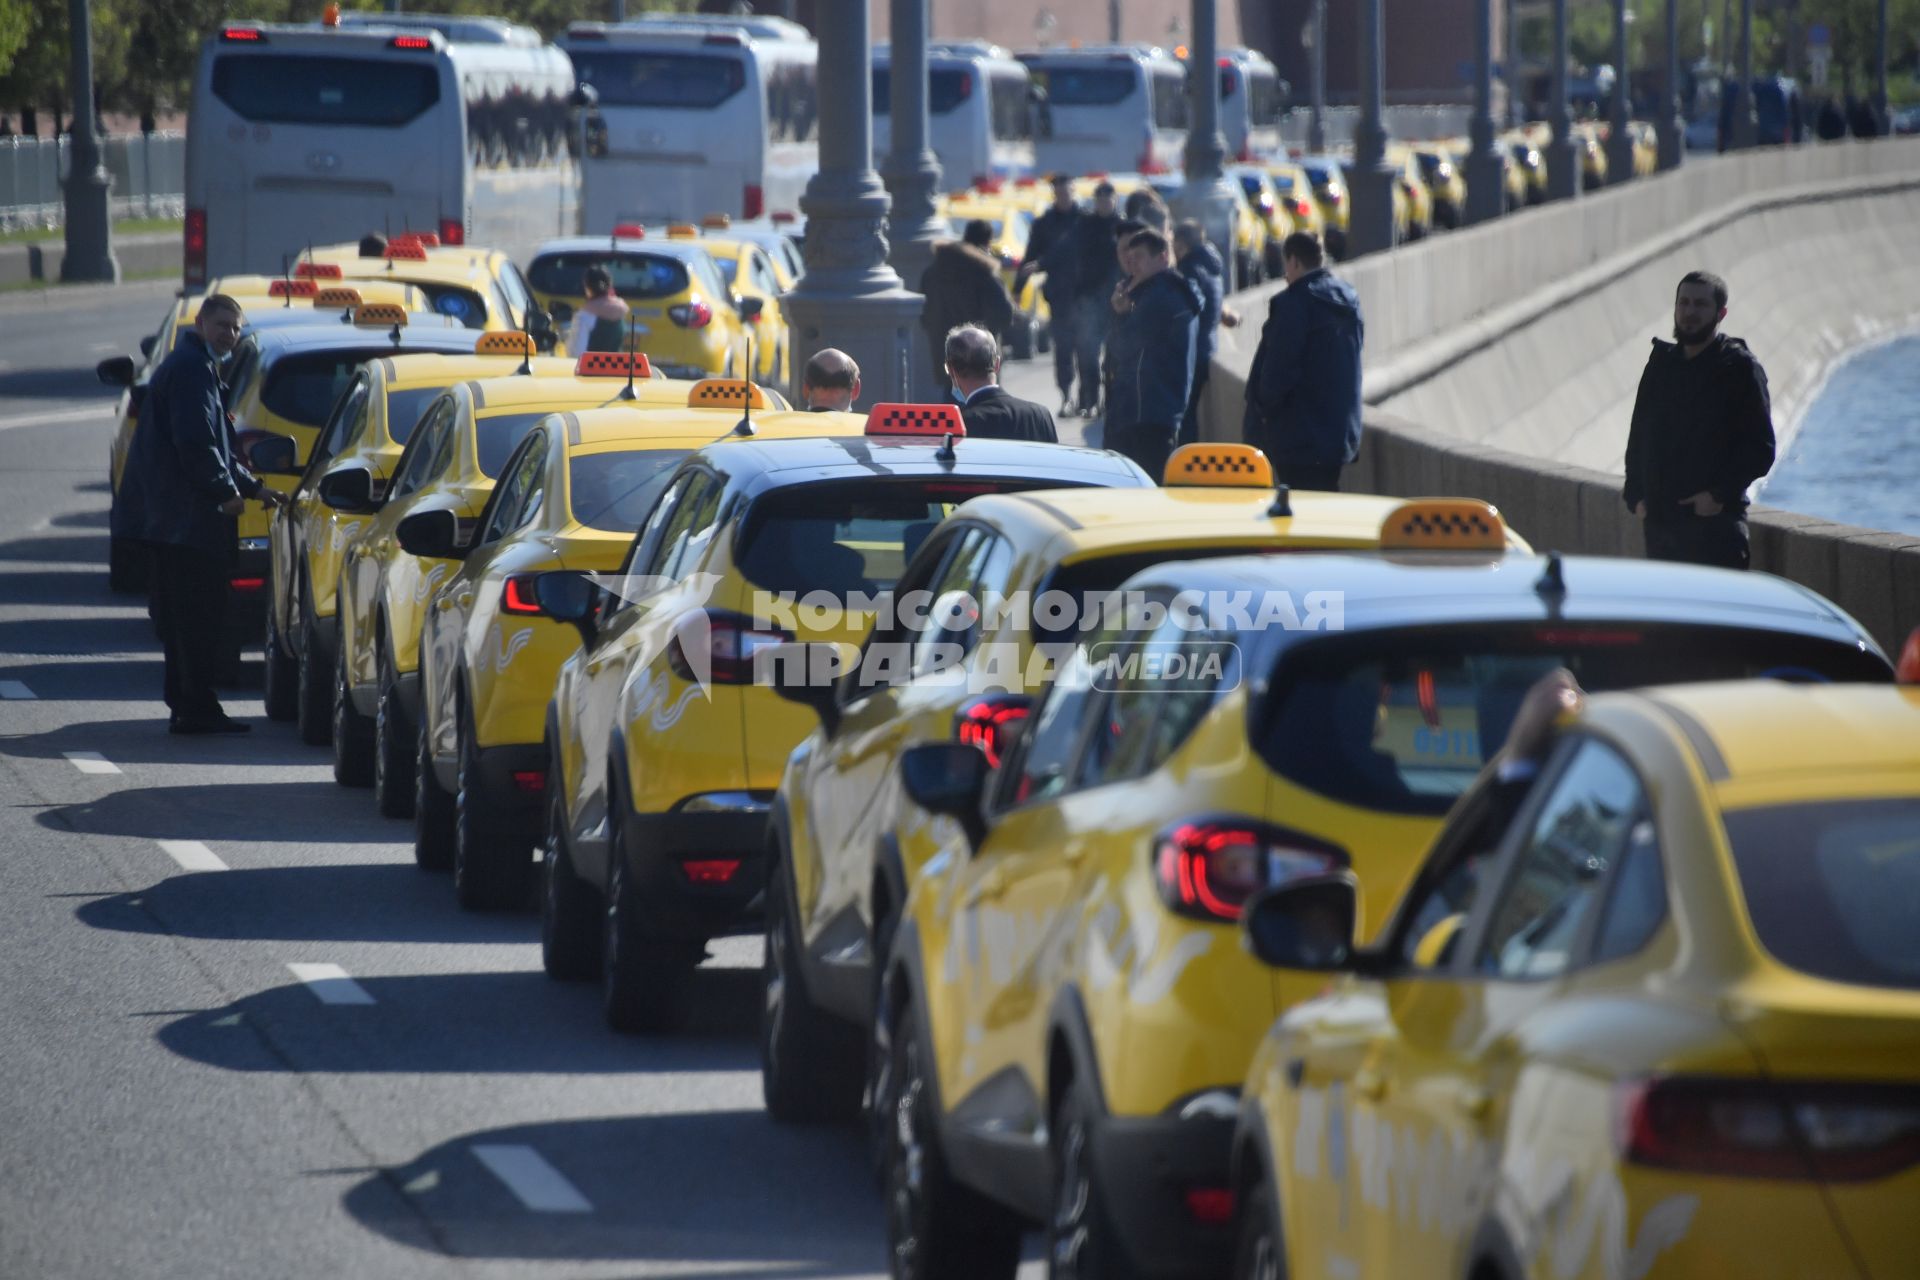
[449,367]
[327,333]
[763,465]
[1754,729]
[461,269]
[511,391]
[693,428]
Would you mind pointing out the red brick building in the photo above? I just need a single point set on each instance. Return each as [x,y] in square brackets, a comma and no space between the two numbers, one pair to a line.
[1429,46]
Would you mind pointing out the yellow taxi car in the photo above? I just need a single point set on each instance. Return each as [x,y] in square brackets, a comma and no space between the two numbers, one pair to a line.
[463,438]
[1646,148]
[1412,183]
[307,540]
[1327,183]
[1593,156]
[464,284]
[1653,1015]
[1011,217]
[1532,163]
[1440,167]
[665,748]
[683,312]
[1275,210]
[750,274]
[1068,1009]
[771,235]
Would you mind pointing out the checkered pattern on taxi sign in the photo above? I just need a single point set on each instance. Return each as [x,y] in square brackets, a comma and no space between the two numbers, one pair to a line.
[317,271]
[612,364]
[725,393]
[1224,466]
[381,313]
[418,239]
[504,344]
[336,299]
[1452,524]
[916,420]
[293,289]
[405,252]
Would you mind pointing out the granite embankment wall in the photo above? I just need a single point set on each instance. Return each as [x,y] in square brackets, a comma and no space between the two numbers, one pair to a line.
[1502,360]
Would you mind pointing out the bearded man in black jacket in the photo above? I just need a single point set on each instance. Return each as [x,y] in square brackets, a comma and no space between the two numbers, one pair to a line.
[1702,433]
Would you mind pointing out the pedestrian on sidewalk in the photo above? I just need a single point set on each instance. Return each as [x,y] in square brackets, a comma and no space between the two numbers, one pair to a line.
[1303,391]
[1150,384]
[1702,433]
[1050,249]
[1200,263]
[830,383]
[181,495]
[1093,286]
[962,286]
[989,411]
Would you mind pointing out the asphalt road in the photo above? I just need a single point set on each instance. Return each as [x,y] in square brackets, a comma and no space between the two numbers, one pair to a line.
[241,1035]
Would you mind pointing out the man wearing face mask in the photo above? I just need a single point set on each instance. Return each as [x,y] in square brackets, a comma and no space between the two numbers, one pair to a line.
[1702,433]
[182,495]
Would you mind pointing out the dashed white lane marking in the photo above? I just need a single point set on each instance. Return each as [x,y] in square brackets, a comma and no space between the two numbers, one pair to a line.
[330,984]
[102,414]
[91,762]
[535,1183]
[192,855]
[16,691]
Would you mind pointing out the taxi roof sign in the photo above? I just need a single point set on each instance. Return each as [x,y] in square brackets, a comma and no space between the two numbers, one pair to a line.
[1443,524]
[293,289]
[381,313]
[340,298]
[504,343]
[716,222]
[726,393]
[424,239]
[611,364]
[1219,466]
[317,271]
[629,231]
[406,251]
[930,421]
[683,231]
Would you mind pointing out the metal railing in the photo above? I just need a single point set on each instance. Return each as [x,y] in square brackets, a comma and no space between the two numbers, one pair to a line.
[149,178]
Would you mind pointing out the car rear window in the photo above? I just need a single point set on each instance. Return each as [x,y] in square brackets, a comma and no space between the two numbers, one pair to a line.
[1080,86]
[497,437]
[616,491]
[404,409]
[302,386]
[634,275]
[1833,889]
[676,79]
[1402,721]
[464,305]
[292,88]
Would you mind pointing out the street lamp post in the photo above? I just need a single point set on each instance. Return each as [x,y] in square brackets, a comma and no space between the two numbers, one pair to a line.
[1563,162]
[1206,197]
[849,297]
[1511,60]
[1371,183]
[1746,127]
[1883,120]
[1486,173]
[1317,72]
[1672,127]
[913,171]
[1619,136]
[89,254]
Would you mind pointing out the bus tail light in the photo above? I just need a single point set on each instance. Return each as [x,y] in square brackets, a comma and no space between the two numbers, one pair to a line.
[195,246]
[753,201]
[691,315]
[452,231]
[1209,867]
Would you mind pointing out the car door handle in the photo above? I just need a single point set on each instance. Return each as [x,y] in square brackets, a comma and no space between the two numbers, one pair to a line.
[1370,1085]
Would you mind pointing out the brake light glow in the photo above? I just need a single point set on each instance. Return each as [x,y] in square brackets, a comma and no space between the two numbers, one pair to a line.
[531,781]
[1301,209]
[753,201]
[452,231]
[732,641]
[1751,1128]
[243,35]
[194,247]
[1210,867]
[784,216]
[723,38]
[247,584]
[410,42]
[517,596]
[691,315]
[1211,1206]
[710,870]
[987,722]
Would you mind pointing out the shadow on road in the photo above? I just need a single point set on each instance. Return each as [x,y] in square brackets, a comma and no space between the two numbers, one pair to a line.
[76,548]
[56,384]
[710,1188]
[296,812]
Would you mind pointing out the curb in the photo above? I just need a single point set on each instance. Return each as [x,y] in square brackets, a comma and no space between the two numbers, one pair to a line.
[38,262]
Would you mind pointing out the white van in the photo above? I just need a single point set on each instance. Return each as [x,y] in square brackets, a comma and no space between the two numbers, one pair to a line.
[697,115]
[1110,109]
[980,114]
[1253,98]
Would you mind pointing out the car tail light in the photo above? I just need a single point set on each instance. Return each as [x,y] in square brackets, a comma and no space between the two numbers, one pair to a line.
[1748,1128]
[1301,209]
[195,247]
[1246,153]
[691,315]
[710,870]
[452,231]
[1210,867]
[410,42]
[966,85]
[517,595]
[247,584]
[989,721]
[1210,1206]
[753,201]
[732,641]
[531,781]
[1335,197]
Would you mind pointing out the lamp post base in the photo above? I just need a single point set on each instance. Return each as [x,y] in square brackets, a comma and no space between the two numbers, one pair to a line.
[1673,143]
[1619,156]
[89,231]
[1371,228]
[1564,179]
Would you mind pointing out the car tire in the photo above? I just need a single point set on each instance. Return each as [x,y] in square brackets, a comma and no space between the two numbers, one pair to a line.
[1257,1254]
[644,979]
[432,810]
[492,854]
[313,682]
[126,567]
[393,749]
[937,1229]
[570,908]
[880,1092]
[1082,1242]
[811,1063]
[279,677]
[352,734]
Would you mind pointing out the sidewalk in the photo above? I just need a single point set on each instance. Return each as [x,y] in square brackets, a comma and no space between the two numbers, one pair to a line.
[38,261]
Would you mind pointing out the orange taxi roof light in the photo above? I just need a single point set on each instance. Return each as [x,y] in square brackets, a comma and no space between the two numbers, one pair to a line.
[610,364]
[931,421]
[716,222]
[726,393]
[629,231]
[405,251]
[336,299]
[504,343]
[1443,524]
[1219,466]
[682,231]
[380,314]
[293,289]
[317,271]
[425,239]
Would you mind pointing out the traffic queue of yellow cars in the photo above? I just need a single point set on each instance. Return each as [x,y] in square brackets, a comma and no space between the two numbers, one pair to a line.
[1140,859]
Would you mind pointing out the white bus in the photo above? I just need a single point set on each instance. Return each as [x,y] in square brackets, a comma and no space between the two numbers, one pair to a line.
[1110,109]
[980,113]
[1253,98]
[696,115]
[313,134]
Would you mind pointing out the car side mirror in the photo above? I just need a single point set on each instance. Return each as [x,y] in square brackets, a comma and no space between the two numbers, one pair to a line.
[1306,924]
[540,329]
[949,778]
[271,454]
[562,312]
[808,674]
[750,308]
[431,535]
[116,371]
[570,596]
[583,97]
[148,343]
[348,490]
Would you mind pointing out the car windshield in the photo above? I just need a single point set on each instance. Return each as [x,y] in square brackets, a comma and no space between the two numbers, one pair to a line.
[616,491]
[1402,721]
[1833,889]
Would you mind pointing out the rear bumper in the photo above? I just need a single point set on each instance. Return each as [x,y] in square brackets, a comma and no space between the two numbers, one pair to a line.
[678,859]
[499,765]
[1147,1165]
[248,597]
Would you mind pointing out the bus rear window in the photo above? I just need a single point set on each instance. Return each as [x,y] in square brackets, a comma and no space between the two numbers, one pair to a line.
[947,88]
[1078,86]
[292,88]
[1403,721]
[686,81]
[634,275]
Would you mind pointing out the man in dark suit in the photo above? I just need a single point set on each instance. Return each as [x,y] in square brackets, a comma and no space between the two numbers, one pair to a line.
[973,362]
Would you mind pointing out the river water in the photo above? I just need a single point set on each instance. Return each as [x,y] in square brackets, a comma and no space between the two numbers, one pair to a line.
[1854,458]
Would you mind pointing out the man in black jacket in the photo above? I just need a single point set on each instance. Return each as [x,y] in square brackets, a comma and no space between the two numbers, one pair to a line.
[962,286]
[1097,271]
[1050,248]
[1151,381]
[181,495]
[1702,432]
[973,362]
[1303,391]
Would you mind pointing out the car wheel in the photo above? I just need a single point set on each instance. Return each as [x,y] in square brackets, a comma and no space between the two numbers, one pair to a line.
[881,1092]
[393,748]
[570,909]
[432,810]
[313,681]
[126,567]
[352,733]
[937,1229]
[644,978]
[492,854]
[1256,1251]
[810,1061]
[1081,1241]
[280,677]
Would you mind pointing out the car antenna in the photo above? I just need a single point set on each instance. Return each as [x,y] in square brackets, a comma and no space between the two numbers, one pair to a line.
[1553,580]
[386,225]
[945,452]
[1282,502]
[526,358]
[633,334]
[286,278]
[745,426]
